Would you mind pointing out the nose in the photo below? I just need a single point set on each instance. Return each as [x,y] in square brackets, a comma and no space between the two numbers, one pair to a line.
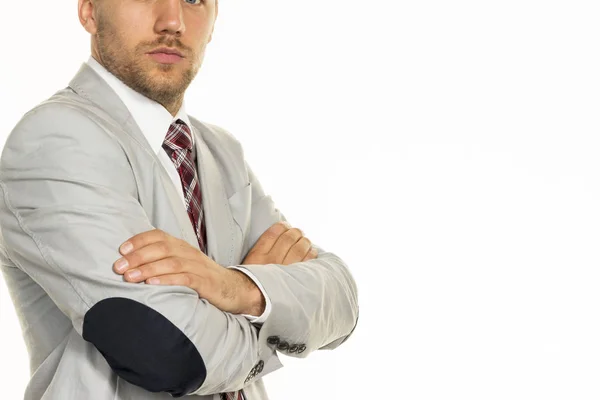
[169,17]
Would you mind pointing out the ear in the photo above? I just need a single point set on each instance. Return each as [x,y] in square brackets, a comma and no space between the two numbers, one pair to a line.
[215,20]
[87,15]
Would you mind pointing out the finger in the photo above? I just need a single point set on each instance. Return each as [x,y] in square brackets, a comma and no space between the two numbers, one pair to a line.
[311,255]
[184,279]
[153,252]
[143,239]
[267,240]
[284,243]
[170,265]
[298,251]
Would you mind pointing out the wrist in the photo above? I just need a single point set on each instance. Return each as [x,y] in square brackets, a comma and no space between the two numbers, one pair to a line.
[250,298]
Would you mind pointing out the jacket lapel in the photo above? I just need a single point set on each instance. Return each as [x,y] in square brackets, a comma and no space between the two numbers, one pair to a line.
[221,233]
[89,85]
[220,226]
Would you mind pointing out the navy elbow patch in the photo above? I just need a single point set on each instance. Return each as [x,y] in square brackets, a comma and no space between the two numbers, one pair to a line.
[143,347]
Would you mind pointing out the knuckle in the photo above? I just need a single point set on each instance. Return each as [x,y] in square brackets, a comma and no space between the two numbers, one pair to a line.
[175,264]
[133,259]
[279,226]
[291,236]
[142,258]
[299,249]
[162,247]
[147,271]
[306,241]
[186,279]
[295,232]
[274,231]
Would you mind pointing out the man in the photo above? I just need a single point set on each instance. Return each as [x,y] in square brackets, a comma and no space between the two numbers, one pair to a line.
[110,178]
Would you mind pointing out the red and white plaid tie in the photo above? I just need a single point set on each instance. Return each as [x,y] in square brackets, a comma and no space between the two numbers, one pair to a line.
[233,396]
[178,145]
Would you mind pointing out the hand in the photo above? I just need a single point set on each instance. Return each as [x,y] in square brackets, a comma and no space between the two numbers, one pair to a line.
[281,244]
[159,258]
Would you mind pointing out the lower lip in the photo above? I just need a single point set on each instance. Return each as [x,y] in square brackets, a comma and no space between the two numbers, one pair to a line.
[166,58]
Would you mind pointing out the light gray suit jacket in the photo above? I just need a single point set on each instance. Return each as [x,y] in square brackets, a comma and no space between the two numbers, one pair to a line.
[77,179]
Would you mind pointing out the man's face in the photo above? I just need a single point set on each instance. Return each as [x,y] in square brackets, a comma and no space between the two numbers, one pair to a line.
[126,31]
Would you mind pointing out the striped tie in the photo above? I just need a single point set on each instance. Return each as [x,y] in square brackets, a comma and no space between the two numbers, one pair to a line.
[178,145]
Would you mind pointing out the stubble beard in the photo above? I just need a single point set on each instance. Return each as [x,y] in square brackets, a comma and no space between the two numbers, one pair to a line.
[133,69]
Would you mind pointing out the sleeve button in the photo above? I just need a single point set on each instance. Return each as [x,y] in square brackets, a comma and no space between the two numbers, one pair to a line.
[283,346]
[273,340]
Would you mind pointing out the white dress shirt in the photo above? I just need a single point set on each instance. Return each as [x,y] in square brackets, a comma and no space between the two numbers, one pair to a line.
[154,121]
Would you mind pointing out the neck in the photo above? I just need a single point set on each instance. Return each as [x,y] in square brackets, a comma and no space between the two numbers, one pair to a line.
[174,107]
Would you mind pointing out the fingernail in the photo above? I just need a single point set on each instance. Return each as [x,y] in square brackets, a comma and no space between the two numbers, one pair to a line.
[134,274]
[121,264]
[153,281]
[126,248]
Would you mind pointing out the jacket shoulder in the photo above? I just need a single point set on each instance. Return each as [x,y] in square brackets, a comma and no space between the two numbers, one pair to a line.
[63,114]
[214,134]
[60,135]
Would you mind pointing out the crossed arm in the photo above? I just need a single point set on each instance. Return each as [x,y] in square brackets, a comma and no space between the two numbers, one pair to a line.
[157,258]
[67,206]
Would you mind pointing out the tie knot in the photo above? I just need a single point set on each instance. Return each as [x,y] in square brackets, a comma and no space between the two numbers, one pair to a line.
[179,136]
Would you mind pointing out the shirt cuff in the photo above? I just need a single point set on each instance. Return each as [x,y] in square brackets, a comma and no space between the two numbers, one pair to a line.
[263,317]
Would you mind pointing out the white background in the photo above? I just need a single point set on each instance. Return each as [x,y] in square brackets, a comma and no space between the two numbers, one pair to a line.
[446,150]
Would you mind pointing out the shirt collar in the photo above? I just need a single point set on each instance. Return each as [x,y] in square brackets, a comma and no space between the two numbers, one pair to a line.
[153,119]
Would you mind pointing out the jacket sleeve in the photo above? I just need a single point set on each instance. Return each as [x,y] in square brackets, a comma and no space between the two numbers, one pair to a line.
[314,303]
[68,201]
